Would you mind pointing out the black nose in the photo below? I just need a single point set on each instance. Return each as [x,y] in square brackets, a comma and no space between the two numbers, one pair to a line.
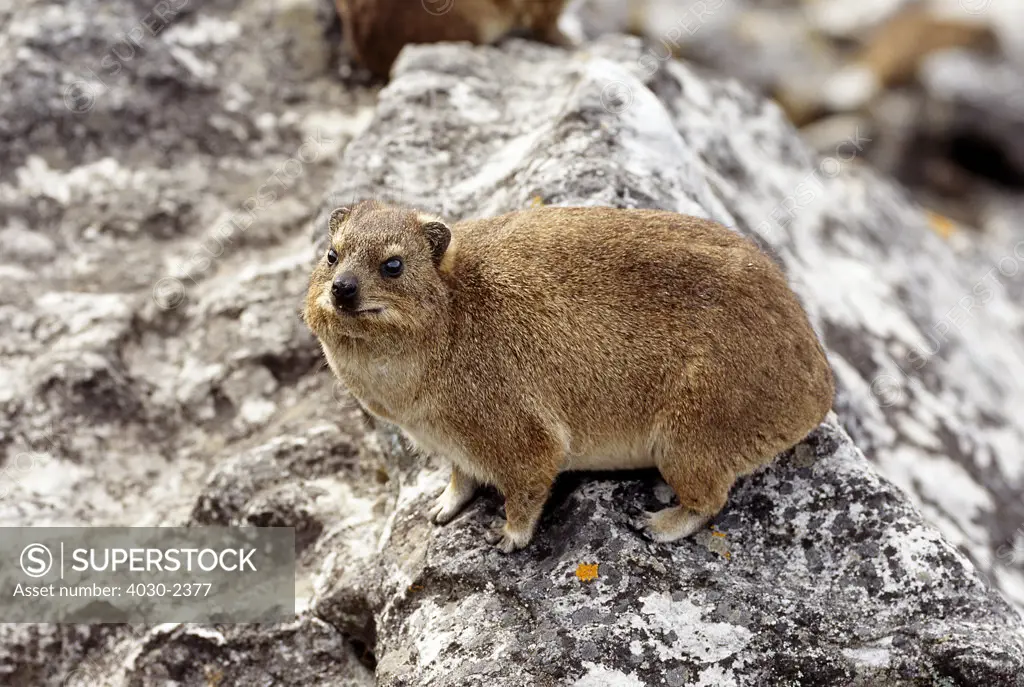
[345,289]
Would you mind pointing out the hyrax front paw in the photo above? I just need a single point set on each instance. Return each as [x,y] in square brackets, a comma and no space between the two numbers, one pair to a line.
[505,538]
[452,500]
[443,511]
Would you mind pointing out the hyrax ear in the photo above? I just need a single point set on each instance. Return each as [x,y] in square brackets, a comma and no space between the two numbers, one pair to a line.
[438,236]
[335,220]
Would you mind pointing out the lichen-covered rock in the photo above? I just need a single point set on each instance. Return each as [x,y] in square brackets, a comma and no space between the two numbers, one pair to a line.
[819,572]
[306,651]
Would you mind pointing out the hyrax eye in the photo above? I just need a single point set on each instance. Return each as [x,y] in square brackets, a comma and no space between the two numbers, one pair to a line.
[332,257]
[392,267]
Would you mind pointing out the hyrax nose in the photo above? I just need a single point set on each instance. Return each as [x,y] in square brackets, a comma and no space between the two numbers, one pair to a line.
[345,289]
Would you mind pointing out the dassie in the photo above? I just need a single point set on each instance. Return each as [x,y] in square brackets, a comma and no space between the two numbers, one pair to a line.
[377,30]
[562,338]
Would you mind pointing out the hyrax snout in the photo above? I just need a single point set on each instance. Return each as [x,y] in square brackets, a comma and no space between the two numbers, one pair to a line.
[561,338]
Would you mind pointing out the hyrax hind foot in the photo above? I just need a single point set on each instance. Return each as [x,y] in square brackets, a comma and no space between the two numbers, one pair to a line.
[675,523]
[702,493]
[507,539]
[454,498]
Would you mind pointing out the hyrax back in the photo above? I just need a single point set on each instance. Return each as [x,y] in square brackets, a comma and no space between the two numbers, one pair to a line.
[571,338]
[377,30]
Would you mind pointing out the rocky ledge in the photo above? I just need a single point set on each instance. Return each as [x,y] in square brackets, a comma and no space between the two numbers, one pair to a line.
[847,562]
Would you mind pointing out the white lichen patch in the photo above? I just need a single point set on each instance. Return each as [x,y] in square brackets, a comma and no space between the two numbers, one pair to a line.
[327,132]
[203,30]
[715,676]
[436,632]
[256,411]
[916,550]
[37,178]
[703,641]
[430,641]
[599,676]
[871,657]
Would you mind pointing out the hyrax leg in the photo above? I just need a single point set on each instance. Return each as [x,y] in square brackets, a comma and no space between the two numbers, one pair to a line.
[455,496]
[525,479]
[701,486]
[523,506]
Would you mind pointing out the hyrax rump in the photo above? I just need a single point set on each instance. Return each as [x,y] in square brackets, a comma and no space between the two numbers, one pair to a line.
[376,30]
[564,338]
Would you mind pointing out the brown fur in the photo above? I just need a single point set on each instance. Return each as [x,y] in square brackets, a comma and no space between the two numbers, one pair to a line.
[377,30]
[556,338]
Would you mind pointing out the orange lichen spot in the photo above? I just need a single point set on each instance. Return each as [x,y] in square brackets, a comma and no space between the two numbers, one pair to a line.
[587,571]
[941,225]
[536,202]
[716,543]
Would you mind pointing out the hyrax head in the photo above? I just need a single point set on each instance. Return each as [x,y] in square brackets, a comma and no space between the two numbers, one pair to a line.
[379,274]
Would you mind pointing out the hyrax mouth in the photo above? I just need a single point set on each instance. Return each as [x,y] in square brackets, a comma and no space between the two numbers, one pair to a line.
[348,312]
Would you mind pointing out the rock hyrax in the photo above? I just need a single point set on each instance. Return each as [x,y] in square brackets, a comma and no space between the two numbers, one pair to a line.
[377,30]
[564,338]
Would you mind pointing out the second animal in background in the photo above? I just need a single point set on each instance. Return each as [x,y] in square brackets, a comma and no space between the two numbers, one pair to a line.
[376,30]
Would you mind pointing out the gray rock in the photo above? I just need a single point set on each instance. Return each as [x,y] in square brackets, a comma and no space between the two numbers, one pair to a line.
[149,298]
[304,652]
[154,370]
[950,130]
[819,572]
[981,97]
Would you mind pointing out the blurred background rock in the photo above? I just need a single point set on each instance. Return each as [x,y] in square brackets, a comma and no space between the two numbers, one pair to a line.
[935,86]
